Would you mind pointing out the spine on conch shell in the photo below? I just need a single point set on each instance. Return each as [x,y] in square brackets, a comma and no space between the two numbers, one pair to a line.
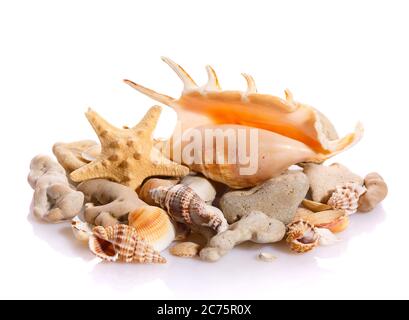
[185,206]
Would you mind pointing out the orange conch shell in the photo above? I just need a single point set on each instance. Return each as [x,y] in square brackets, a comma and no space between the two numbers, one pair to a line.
[199,106]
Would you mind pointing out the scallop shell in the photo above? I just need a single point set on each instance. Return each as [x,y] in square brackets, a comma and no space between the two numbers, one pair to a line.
[185,249]
[315,206]
[122,243]
[184,205]
[302,236]
[154,225]
[334,220]
[346,197]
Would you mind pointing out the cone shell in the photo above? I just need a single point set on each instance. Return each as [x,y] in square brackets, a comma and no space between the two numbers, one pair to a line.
[302,236]
[184,205]
[122,243]
[154,225]
[346,197]
[333,220]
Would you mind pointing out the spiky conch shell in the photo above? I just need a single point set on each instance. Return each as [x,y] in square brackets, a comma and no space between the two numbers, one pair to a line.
[286,118]
[302,236]
[122,243]
[346,197]
[184,205]
[154,225]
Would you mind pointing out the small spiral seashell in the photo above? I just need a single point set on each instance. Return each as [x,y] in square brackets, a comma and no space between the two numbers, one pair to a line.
[185,249]
[302,236]
[122,243]
[346,197]
[154,225]
[184,205]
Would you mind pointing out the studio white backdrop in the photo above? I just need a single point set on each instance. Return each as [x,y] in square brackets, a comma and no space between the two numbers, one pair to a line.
[347,58]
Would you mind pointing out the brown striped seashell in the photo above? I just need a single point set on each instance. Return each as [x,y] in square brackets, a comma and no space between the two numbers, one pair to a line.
[154,225]
[302,236]
[185,249]
[184,205]
[346,197]
[122,243]
[153,183]
[333,220]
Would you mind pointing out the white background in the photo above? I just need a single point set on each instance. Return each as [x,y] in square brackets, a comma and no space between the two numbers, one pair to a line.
[347,58]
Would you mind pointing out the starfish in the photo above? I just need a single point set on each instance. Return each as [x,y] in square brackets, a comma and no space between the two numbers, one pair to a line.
[128,155]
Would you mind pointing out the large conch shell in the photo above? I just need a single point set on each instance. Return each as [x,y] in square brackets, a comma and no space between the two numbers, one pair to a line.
[208,104]
[122,243]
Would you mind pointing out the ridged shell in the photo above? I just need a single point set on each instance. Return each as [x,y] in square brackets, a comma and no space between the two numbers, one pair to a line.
[154,225]
[122,243]
[302,236]
[346,197]
[185,249]
[184,205]
[333,220]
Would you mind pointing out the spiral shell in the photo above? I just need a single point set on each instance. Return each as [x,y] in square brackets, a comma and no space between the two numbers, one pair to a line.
[302,236]
[154,225]
[122,243]
[346,197]
[184,205]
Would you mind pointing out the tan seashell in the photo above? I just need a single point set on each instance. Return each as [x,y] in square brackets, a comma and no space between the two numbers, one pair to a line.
[203,187]
[266,257]
[128,155]
[377,190]
[315,206]
[154,225]
[122,243]
[302,236]
[185,249]
[153,183]
[184,205]
[334,220]
[70,155]
[91,153]
[346,197]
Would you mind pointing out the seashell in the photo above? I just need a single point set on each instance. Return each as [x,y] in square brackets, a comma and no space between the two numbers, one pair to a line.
[208,104]
[128,156]
[334,220]
[184,205]
[377,190]
[203,187]
[82,230]
[185,249]
[315,206]
[266,257]
[122,243]
[71,155]
[346,197]
[152,183]
[91,153]
[302,236]
[154,225]
[327,238]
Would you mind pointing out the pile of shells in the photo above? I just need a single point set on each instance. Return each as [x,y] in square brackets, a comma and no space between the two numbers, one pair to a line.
[116,203]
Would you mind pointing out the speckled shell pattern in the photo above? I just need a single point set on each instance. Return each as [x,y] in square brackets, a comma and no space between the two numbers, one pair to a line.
[296,231]
[122,243]
[184,205]
[346,197]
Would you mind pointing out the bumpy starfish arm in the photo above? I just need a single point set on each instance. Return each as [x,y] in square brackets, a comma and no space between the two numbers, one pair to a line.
[165,167]
[148,124]
[93,170]
[104,130]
